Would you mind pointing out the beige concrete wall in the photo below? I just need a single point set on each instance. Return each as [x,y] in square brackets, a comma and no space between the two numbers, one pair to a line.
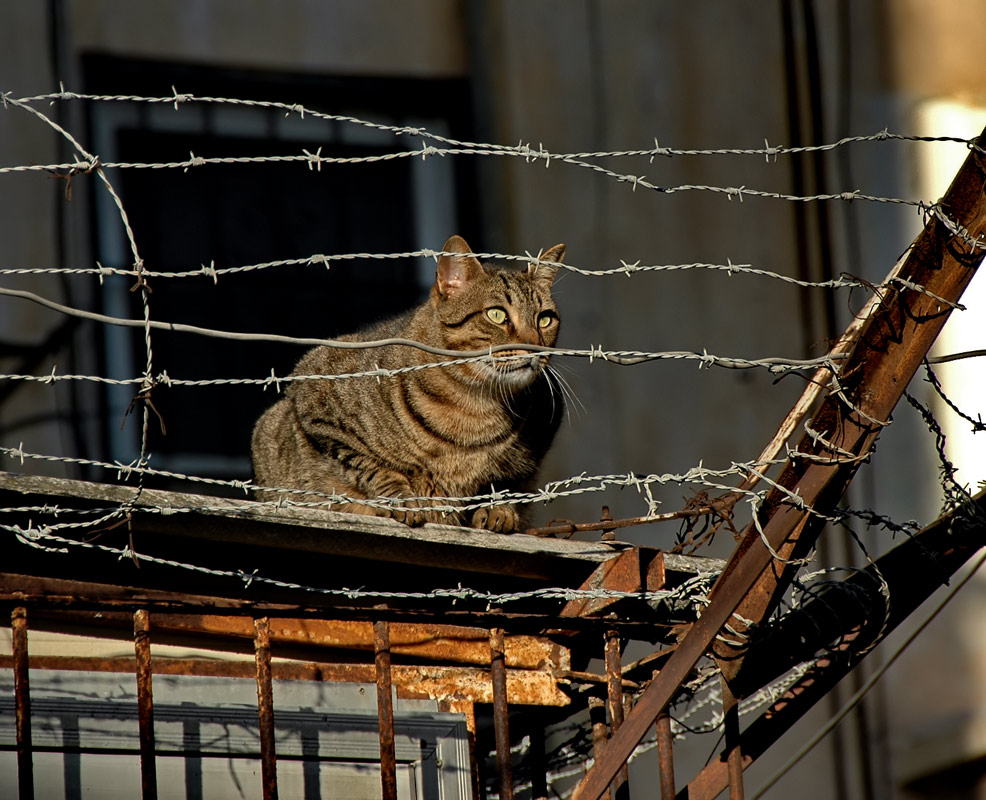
[585,76]
[420,38]
[932,50]
[27,209]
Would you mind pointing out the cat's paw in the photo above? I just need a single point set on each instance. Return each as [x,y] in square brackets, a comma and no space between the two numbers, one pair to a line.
[409,516]
[500,519]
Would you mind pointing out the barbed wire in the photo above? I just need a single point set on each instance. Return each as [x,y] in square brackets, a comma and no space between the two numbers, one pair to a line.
[91,163]
[768,151]
[315,160]
[45,537]
[61,529]
[774,365]
[212,272]
[553,490]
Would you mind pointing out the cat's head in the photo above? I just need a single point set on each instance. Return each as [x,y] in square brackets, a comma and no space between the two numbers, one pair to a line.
[483,305]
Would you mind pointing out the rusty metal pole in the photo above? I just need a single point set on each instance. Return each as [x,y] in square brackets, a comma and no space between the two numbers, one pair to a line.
[734,757]
[385,710]
[498,671]
[22,702]
[265,705]
[145,705]
[614,690]
[665,755]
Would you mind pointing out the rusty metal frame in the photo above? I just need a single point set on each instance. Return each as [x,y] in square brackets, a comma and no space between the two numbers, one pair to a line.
[501,670]
[619,789]
[885,347]
[841,624]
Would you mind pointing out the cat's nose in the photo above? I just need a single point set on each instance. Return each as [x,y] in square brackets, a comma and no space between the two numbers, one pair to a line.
[528,336]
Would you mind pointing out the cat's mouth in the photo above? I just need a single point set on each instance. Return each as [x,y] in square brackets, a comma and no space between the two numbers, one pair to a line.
[516,367]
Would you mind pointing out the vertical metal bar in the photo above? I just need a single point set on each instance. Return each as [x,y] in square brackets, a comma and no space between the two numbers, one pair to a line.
[145,705]
[607,535]
[614,686]
[498,670]
[385,711]
[265,705]
[665,754]
[734,757]
[597,718]
[22,701]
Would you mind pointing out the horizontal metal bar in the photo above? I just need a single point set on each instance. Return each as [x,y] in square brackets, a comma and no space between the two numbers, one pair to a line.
[470,684]
[66,595]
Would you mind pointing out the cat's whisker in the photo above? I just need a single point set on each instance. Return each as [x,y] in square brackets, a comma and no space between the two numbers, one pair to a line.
[556,391]
[571,393]
[560,384]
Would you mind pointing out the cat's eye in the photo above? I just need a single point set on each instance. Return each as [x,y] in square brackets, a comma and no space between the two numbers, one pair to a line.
[497,315]
[546,318]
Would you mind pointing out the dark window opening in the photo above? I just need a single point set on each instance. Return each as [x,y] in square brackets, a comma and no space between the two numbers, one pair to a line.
[241,214]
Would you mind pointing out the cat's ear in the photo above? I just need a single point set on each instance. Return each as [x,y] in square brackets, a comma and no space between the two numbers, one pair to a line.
[455,271]
[550,261]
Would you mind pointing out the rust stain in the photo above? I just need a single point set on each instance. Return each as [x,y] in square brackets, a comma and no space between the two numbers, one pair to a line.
[473,685]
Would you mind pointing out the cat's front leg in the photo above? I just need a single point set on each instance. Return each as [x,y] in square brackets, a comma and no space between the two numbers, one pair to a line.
[500,518]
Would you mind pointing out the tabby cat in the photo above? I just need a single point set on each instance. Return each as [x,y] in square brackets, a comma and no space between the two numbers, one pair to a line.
[443,432]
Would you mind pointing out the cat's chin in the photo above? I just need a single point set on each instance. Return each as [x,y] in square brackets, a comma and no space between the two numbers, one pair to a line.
[518,375]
